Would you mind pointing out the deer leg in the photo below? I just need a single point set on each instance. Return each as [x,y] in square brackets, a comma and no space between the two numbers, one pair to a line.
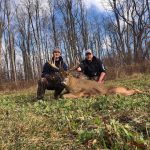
[123,91]
[128,92]
[132,92]
[74,95]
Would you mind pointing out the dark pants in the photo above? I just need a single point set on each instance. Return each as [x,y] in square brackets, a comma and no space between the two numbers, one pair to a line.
[50,83]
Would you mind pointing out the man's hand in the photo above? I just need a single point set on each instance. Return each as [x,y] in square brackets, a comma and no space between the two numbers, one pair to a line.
[101,78]
[101,81]
[79,69]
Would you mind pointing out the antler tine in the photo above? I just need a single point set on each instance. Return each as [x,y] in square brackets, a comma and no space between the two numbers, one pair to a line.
[76,63]
[52,63]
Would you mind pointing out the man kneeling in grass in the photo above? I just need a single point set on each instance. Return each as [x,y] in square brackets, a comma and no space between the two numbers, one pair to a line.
[51,78]
[92,67]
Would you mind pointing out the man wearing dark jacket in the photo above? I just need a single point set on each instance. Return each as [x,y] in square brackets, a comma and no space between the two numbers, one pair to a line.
[51,78]
[92,67]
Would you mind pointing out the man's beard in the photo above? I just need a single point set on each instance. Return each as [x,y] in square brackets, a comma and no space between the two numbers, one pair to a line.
[56,58]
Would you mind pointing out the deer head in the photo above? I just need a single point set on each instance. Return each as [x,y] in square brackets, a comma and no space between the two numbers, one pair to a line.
[71,72]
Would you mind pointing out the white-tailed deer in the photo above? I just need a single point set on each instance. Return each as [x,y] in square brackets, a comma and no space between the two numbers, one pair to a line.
[78,87]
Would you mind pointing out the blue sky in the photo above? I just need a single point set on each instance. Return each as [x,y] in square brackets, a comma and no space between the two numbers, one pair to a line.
[93,6]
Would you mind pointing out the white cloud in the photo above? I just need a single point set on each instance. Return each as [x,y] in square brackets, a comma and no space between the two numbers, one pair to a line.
[102,5]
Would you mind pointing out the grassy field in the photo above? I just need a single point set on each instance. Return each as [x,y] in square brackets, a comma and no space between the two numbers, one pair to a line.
[105,122]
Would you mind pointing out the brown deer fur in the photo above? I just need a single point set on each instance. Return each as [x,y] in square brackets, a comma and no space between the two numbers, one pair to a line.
[84,88]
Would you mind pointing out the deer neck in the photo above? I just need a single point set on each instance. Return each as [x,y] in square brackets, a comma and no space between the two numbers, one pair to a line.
[72,83]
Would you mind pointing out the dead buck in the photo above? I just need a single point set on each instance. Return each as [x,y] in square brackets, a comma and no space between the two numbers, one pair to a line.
[78,87]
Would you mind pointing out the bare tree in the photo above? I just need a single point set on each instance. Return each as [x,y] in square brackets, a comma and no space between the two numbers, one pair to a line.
[31,30]
[136,21]
[2,28]
[52,7]
[11,48]
[83,24]
[69,14]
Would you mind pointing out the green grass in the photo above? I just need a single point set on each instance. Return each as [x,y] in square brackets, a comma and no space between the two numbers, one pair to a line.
[105,122]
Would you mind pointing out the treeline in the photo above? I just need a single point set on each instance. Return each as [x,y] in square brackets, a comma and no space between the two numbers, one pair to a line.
[31,29]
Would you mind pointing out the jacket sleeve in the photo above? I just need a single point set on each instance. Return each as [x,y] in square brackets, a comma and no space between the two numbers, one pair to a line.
[101,66]
[45,70]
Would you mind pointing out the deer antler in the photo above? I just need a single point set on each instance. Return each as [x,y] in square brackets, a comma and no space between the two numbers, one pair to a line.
[52,63]
[75,63]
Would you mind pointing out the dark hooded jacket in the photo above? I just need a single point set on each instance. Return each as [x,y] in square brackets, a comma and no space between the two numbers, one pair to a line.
[92,68]
[49,70]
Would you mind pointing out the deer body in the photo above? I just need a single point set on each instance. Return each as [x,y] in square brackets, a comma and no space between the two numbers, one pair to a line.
[84,88]
[80,86]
